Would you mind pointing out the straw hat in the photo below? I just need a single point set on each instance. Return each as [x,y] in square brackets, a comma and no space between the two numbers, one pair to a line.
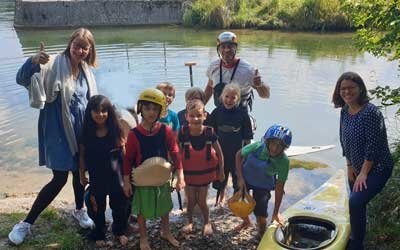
[153,172]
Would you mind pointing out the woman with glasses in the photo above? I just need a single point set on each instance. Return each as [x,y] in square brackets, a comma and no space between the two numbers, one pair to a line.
[365,146]
[60,87]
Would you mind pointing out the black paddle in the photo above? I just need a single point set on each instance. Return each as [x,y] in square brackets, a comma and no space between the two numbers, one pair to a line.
[190,64]
[177,192]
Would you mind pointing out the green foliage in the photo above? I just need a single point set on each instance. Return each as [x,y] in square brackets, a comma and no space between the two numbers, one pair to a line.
[378,26]
[268,14]
[210,13]
[246,15]
[378,32]
[388,96]
[384,214]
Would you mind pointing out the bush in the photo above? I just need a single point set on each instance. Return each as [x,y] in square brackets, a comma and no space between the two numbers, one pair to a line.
[219,18]
[208,13]
[383,227]
[268,14]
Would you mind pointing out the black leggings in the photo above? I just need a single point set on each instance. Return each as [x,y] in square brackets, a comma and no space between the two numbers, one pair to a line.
[51,190]
[118,204]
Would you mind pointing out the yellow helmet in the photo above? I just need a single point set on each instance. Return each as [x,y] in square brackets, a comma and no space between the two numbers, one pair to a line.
[154,96]
[241,206]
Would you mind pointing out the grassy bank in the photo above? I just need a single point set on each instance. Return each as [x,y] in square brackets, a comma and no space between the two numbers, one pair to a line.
[53,230]
[383,228]
[310,15]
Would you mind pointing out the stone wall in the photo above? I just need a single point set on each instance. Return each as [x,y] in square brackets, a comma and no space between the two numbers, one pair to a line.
[72,13]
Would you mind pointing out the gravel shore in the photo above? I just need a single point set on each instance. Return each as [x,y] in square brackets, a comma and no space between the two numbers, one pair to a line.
[18,192]
[224,237]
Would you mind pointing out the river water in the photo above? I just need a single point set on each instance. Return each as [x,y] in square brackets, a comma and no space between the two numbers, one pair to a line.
[301,69]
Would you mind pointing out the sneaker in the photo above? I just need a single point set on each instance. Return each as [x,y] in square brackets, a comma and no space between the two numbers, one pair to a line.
[19,232]
[82,217]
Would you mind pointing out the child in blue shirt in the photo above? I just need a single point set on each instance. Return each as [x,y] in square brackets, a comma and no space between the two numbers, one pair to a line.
[170,118]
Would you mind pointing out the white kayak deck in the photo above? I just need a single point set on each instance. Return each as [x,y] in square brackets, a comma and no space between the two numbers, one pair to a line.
[301,150]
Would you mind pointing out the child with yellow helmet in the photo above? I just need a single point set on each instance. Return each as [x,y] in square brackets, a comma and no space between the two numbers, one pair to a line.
[147,140]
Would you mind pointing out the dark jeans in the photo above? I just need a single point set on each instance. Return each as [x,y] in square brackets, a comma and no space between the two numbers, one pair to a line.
[261,196]
[231,170]
[51,190]
[358,208]
[119,206]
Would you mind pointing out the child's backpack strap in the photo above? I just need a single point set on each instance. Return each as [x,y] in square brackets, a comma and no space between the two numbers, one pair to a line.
[186,141]
[209,133]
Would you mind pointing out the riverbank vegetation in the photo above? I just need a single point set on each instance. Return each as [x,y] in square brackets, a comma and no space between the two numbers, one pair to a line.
[383,227]
[310,15]
[377,25]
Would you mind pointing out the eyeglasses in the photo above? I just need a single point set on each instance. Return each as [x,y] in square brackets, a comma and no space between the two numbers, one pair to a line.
[84,48]
[351,88]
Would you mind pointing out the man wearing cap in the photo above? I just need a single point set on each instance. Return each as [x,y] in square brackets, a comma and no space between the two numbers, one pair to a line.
[232,69]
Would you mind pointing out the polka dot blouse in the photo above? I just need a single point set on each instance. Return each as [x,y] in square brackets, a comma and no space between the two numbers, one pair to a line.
[363,137]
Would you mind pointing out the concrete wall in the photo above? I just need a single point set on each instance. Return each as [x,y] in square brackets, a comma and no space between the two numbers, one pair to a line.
[66,13]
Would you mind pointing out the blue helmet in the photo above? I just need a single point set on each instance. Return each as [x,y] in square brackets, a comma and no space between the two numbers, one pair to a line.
[279,132]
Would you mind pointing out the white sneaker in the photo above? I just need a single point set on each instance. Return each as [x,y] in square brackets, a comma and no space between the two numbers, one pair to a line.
[82,217]
[19,232]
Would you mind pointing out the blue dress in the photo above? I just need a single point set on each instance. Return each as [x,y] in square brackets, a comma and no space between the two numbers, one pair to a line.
[54,151]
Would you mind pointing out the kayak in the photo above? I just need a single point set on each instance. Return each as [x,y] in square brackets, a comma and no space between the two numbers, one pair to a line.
[318,221]
[301,150]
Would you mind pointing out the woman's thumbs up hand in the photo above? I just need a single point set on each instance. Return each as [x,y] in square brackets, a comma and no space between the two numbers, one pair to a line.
[41,57]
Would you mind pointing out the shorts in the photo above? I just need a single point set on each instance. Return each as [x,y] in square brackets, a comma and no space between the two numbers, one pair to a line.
[261,196]
[152,202]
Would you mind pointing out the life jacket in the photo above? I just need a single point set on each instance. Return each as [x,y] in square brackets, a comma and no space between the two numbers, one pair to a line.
[255,171]
[199,166]
[154,145]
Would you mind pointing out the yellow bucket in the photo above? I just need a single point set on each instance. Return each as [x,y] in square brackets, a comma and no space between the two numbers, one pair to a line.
[241,205]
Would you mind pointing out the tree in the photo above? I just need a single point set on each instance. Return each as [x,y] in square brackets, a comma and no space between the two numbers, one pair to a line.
[377,24]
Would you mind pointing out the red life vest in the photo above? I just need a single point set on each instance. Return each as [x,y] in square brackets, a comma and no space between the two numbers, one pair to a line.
[199,166]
